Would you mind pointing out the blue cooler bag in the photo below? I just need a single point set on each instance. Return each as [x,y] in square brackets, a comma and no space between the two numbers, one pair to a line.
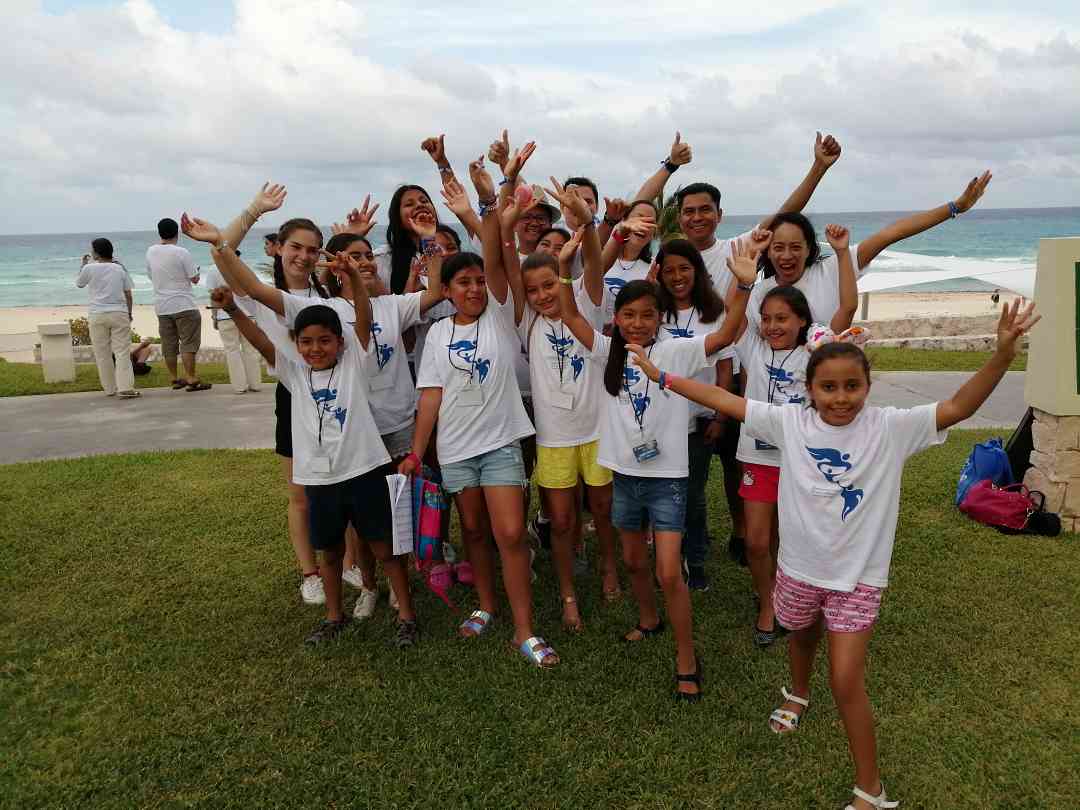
[988,461]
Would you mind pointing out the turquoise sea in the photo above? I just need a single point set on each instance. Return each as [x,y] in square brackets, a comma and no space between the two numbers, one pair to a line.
[40,270]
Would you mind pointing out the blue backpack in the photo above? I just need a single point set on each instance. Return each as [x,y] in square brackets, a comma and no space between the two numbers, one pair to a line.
[988,461]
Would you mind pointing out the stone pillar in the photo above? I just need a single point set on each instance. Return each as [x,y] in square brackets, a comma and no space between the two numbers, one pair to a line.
[1052,380]
[57,357]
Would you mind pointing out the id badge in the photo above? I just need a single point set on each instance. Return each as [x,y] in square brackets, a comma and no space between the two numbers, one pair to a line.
[320,463]
[562,399]
[381,381]
[647,450]
[471,396]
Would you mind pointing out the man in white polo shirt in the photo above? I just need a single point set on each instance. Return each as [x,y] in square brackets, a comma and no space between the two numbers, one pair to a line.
[172,272]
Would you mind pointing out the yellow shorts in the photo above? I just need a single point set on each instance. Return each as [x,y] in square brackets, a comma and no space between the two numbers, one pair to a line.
[560,467]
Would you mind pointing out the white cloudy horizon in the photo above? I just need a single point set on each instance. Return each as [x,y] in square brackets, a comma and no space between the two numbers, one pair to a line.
[118,113]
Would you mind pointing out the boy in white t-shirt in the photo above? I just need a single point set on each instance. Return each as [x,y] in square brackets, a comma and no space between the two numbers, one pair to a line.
[842,462]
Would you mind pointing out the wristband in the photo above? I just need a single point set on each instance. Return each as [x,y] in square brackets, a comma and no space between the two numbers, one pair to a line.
[745,287]
[954,210]
[445,170]
[566,280]
[611,223]
[671,167]
[486,206]
[415,459]
[618,237]
[663,380]
[429,246]
[228,311]
[504,181]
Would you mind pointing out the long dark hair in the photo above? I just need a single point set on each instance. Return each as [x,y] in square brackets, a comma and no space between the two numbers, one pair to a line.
[703,294]
[828,352]
[794,298]
[813,249]
[616,360]
[646,252]
[401,240]
[339,242]
[286,229]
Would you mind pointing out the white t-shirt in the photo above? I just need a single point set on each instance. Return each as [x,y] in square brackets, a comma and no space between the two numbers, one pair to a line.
[820,283]
[335,399]
[391,395]
[171,270]
[107,282]
[213,280]
[476,360]
[663,414]
[840,487]
[273,326]
[566,389]
[620,274]
[687,325]
[715,259]
[773,376]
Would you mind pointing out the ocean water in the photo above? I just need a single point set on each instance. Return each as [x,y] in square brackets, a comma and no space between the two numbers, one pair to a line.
[40,270]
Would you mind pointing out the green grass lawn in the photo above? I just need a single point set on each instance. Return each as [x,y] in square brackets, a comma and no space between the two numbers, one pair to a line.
[21,379]
[152,657]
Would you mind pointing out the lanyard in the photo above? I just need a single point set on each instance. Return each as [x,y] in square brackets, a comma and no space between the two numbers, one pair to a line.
[318,405]
[689,320]
[556,342]
[639,416]
[774,384]
[471,370]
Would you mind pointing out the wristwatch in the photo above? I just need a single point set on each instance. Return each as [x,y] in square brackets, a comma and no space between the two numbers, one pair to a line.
[671,167]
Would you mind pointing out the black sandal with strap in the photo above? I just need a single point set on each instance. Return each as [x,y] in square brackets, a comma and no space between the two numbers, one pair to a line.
[646,632]
[694,678]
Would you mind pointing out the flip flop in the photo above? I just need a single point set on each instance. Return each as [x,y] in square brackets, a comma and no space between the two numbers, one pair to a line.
[646,632]
[537,651]
[178,384]
[199,386]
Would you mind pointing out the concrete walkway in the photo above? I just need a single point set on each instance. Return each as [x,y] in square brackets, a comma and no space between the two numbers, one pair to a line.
[72,425]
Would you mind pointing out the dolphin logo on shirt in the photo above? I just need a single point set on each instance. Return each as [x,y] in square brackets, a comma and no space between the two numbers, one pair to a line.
[784,380]
[339,415]
[631,376]
[641,404]
[679,331]
[324,396]
[833,465]
[560,345]
[577,363]
[614,283]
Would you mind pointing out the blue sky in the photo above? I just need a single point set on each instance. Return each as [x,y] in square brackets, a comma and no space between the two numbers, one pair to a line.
[111,112]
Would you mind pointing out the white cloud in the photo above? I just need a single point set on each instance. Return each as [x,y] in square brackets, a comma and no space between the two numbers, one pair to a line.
[109,116]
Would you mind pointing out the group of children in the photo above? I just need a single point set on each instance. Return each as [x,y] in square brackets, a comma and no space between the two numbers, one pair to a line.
[572,358]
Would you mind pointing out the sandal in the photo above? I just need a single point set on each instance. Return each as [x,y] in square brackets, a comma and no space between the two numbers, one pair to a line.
[646,632]
[577,626]
[477,623]
[199,385]
[787,719]
[766,638]
[875,801]
[694,677]
[537,651]
[612,596]
[178,384]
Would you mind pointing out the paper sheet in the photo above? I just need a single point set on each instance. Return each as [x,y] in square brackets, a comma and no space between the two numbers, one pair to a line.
[400,487]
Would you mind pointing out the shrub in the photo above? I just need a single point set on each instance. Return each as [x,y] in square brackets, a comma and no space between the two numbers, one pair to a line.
[80,331]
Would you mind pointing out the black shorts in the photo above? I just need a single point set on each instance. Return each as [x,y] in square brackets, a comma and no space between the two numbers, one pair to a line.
[363,501]
[283,428]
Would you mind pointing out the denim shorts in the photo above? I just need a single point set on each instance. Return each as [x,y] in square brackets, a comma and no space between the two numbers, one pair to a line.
[639,502]
[501,467]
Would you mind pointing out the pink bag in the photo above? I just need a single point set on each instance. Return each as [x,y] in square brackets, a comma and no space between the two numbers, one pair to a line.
[1007,507]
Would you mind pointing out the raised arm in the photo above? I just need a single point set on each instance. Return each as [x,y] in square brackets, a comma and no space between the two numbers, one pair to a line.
[269,198]
[430,256]
[509,212]
[826,153]
[743,266]
[917,223]
[222,298]
[839,240]
[494,271]
[680,155]
[83,278]
[343,263]
[719,399]
[457,200]
[639,226]
[236,274]
[427,411]
[591,250]
[571,316]
[359,221]
[1011,326]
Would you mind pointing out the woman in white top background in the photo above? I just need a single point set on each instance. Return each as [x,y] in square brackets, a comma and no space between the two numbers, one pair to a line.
[109,315]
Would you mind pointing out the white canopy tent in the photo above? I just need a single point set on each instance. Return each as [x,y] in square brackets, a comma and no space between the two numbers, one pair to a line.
[1018,276]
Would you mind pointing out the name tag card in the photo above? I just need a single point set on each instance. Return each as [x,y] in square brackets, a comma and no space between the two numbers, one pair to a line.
[562,399]
[471,396]
[320,463]
[381,381]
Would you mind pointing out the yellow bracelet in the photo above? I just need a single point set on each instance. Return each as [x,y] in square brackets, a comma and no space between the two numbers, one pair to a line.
[567,281]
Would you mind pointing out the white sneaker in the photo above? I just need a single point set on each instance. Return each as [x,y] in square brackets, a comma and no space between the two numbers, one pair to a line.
[393,597]
[311,590]
[353,577]
[365,605]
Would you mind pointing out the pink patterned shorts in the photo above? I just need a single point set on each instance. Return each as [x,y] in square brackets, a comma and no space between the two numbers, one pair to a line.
[798,604]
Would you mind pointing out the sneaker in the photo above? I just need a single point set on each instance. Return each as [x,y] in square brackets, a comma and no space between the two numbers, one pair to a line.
[407,634]
[540,531]
[365,604]
[311,590]
[353,577]
[697,579]
[129,394]
[393,597]
[736,550]
[326,630]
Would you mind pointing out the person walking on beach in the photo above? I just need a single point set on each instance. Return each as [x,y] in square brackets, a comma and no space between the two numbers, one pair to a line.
[172,272]
[110,317]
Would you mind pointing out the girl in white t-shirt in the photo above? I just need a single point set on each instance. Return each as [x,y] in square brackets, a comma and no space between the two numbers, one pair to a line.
[794,256]
[643,442]
[627,255]
[467,382]
[690,306]
[839,500]
[774,358]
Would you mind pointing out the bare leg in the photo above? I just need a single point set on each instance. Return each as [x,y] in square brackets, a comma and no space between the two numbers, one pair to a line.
[399,577]
[561,507]
[760,518]
[189,366]
[331,576]
[847,668]
[506,511]
[677,597]
[802,647]
[600,506]
[298,522]
[472,511]
[636,559]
